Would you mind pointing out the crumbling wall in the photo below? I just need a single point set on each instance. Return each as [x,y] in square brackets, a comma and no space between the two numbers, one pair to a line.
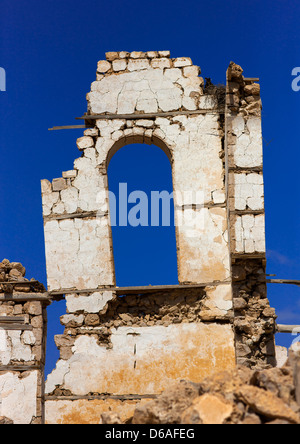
[134,348]
[120,348]
[23,322]
[131,347]
[254,320]
[76,206]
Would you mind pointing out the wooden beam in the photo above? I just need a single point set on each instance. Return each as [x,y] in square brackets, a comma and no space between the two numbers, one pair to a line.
[134,117]
[138,290]
[284,281]
[148,115]
[75,215]
[4,326]
[158,288]
[281,328]
[237,169]
[245,212]
[9,319]
[19,368]
[251,79]
[23,297]
[248,255]
[22,283]
[56,128]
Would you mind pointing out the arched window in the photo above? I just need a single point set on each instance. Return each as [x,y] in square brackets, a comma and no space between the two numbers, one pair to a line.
[142,216]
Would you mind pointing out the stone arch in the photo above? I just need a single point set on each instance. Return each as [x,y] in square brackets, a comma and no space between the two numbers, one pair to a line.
[144,137]
[141,98]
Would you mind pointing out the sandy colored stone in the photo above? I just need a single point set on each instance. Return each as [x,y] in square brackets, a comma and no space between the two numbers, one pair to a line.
[168,408]
[119,65]
[110,418]
[235,72]
[71,174]
[207,409]
[4,420]
[46,186]
[19,267]
[252,90]
[33,308]
[58,184]
[111,56]
[161,63]
[267,404]
[85,142]
[103,66]
[138,64]
[180,62]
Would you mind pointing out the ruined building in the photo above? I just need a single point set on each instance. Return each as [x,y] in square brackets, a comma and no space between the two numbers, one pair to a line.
[124,345]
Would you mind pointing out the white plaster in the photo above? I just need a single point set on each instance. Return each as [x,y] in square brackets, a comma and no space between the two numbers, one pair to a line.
[18,397]
[90,304]
[76,252]
[248,148]
[250,234]
[143,87]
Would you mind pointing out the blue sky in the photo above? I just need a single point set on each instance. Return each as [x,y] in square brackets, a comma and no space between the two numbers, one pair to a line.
[50,50]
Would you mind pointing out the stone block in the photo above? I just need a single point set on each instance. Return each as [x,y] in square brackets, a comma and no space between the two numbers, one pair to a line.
[191,71]
[124,54]
[110,56]
[252,90]
[181,62]
[161,63]
[59,184]
[119,65]
[92,304]
[103,66]
[138,64]
[92,132]
[164,54]
[71,174]
[85,142]
[218,196]
[137,55]
[208,409]
[46,186]
[152,54]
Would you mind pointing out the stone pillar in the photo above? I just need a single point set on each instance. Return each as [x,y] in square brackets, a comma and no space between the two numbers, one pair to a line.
[23,323]
[254,320]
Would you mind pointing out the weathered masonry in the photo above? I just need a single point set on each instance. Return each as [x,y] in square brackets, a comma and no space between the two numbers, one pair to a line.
[23,331]
[119,350]
[124,345]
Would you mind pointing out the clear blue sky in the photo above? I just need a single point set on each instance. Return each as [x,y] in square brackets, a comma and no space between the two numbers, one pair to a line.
[50,51]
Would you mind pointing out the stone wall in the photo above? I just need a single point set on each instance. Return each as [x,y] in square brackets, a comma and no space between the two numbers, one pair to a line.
[193,143]
[120,348]
[254,320]
[124,346]
[23,321]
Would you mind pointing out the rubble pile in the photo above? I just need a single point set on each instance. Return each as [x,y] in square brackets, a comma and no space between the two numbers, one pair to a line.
[12,279]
